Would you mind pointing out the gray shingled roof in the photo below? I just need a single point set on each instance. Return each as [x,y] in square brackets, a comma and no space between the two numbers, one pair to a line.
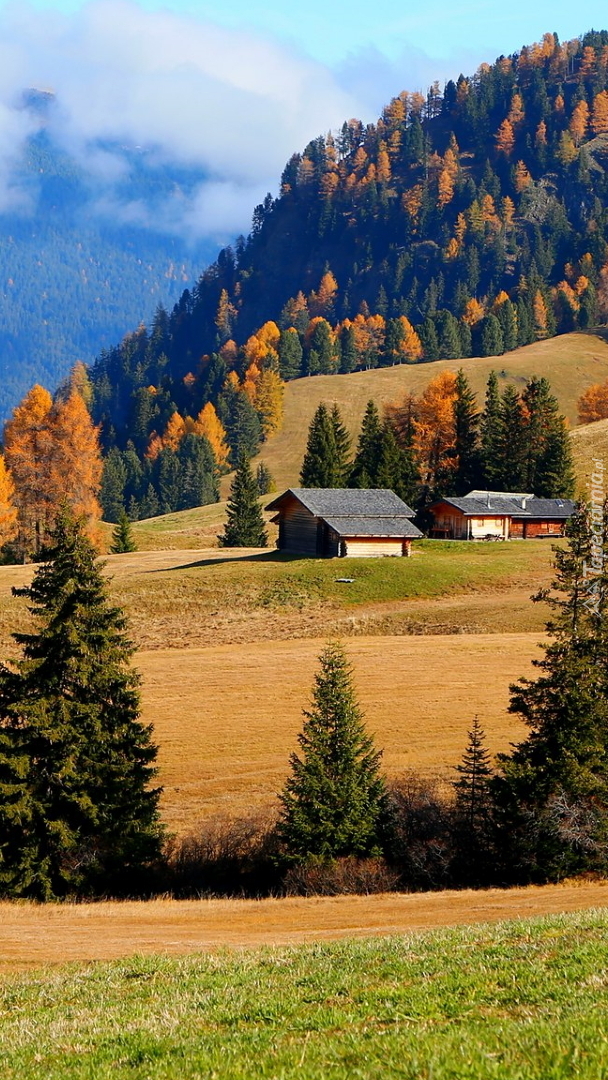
[560,509]
[370,526]
[483,507]
[348,502]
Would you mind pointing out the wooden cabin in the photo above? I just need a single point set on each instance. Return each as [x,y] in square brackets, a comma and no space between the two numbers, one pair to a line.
[339,522]
[496,515]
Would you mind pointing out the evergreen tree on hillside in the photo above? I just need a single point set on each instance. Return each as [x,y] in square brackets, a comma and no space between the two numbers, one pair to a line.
[552,794]
[198,483]
[342,445]
[365,465]
[113,484]
[122,537]
[323,465]
[245,522]
[335,801]
[512,471]
[491,436]
[77,813]
[466,421]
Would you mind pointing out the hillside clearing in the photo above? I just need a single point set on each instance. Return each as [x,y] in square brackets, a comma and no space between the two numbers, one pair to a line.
[226,719]
[515,1000]
[571,362]
[184,599]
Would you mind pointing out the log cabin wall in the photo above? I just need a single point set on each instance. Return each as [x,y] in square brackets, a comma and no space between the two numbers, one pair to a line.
[298,529]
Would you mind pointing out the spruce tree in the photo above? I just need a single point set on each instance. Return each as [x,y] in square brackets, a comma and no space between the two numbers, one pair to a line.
[366,462]
[472,789]
[245,522]
[122,537]
[321,467]
[264,479]
[466,445]
[491,341]
[342,447]
[334,802]
[113,483]
[512,444]
[290,354]
[77,813]
[552,795]
[491,430]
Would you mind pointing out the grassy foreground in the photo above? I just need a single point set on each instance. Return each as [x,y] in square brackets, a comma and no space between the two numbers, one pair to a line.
[519,1001]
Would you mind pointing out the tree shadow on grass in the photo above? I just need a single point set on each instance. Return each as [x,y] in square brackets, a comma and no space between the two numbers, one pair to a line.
[276,557]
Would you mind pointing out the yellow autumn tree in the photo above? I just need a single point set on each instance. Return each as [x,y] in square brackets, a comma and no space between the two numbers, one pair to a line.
[27,442]
[593,404]
[505,138]
[323,300]
[539,308]
[75,460]
[473,312]
[521,178]
[434,428]
[579,122]
[209,425]
[8,510]
[411,345]
[599,120]
[268,402]
[445,188]
[174,432]
[225,316]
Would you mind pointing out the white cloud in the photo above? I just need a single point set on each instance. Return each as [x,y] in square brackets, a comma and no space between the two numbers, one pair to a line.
[231,103]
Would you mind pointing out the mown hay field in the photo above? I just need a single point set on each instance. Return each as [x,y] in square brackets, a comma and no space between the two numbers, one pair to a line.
[226,719]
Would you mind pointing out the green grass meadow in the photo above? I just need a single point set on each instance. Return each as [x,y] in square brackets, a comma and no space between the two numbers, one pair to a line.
[516,1001]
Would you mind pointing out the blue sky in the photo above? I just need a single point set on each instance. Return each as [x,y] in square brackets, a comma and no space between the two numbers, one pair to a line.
[330,30]
[234,89]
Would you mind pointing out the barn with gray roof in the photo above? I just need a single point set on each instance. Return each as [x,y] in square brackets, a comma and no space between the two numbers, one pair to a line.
[331,522]
[499,515]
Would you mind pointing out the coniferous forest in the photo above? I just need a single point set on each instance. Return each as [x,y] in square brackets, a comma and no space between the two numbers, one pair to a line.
[467,222]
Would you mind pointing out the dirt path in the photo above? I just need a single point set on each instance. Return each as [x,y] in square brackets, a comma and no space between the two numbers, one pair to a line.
[35,935]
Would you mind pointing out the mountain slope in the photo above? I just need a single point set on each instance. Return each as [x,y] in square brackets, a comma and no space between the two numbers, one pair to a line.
[571,363]
[467,223]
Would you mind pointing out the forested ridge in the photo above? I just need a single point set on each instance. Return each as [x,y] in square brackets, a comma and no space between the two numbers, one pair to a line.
[466,222]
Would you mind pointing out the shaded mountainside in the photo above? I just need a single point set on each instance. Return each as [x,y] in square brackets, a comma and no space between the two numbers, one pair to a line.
[469,222]
[74,274]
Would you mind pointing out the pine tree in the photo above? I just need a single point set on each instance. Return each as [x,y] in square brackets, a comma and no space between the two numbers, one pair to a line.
[122,537]
[511,470]
[77,813]
[198,485]
[491,342]
[334,802]
[552,794]
[245,523]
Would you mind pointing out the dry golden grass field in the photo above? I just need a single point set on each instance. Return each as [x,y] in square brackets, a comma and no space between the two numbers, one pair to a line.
[226,719]
[32,935]
[571,362]
[589,443]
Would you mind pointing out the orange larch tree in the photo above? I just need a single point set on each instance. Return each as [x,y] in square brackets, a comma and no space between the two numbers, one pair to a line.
[593,404]
[209,425]
[435,429]
[8,510]
[76,464]
[599,120]
[27,445]
[579,122]
[505,138]
[174,432]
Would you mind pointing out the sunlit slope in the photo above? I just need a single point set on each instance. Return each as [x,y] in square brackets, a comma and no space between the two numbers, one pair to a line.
[571,362]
